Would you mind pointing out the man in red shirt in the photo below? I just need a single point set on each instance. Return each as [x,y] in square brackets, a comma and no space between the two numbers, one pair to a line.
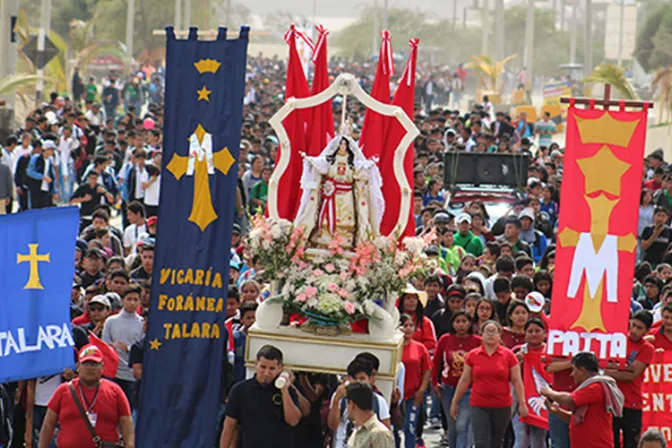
[662,340]
[656,183]
[590,425]
[640,354]
[104,403]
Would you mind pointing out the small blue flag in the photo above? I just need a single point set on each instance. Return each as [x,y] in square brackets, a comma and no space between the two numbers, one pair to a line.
[37,266]
[180,396]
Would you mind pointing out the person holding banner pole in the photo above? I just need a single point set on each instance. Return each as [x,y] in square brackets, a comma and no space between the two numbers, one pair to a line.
[589,406]
[640,353]
[490,369]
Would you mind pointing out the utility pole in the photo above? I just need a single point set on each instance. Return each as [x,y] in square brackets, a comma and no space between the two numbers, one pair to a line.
[572,37]
[45,24]
[529,45]
[620,34]
[562,15]
[9,10]
[187,13]
[177,22]
[374,35]
[588,39]
[499,28]
[385,13]
[485,27]
[130,25]
[455,14]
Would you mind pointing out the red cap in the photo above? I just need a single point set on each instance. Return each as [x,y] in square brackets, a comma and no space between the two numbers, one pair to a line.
[90,353]
[151,221]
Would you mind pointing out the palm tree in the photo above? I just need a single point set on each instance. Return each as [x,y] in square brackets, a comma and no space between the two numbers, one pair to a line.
[614,75]
[661,87]
[490,71]
[84,48]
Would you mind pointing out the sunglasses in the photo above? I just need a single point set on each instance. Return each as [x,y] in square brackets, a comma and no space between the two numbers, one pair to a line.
[96,307]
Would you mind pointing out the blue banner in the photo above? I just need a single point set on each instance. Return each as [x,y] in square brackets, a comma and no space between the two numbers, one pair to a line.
[37,266]
[181,382]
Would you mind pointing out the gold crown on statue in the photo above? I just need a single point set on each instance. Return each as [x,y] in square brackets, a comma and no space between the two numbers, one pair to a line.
[207,65]
[346,128]
[606,130]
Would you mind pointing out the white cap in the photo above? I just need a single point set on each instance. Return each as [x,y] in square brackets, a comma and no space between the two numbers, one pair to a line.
[535,301]
[527,213]
[48,144]
[463,217]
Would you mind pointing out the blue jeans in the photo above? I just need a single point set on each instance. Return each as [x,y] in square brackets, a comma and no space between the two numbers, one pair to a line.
[435,409]
[559,431]
[459,431]
[410,425]
[528,436]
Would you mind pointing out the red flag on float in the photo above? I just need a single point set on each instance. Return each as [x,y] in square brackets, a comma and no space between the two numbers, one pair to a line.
[404,97]
[322,116]
[295,124]
[535,378]
[110,355]
[597,242]
[375,125]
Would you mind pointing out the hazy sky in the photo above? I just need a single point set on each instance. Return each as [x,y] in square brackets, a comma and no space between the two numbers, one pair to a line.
[347,8]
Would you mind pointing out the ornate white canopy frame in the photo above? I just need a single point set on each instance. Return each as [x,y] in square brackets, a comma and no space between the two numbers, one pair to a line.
[346,84]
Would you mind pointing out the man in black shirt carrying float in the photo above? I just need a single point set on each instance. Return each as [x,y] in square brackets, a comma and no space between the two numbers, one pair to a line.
[259,411]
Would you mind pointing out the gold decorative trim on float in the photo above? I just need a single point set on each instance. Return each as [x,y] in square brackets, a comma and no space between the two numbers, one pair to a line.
[388,372]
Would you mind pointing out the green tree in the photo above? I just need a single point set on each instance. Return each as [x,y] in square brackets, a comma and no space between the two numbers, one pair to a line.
[653,40]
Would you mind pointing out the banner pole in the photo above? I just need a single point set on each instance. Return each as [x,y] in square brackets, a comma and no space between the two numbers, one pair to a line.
[30,406]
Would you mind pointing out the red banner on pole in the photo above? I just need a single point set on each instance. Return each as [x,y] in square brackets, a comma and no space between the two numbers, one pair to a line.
[657,395]
[597,238]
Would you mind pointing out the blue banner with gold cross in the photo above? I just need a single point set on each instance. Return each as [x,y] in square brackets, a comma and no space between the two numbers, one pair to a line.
[37,266]
[180,396]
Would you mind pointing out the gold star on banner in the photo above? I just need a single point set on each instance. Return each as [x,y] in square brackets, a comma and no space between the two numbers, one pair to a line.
[603,172]
[204,94]
[155,344]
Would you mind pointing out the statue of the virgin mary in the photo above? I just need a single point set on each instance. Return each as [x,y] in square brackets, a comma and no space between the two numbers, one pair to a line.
[341,195]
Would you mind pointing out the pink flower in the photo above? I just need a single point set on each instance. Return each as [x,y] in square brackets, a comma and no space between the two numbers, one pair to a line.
[311,291]
[343,276]
[335,245]
[330,268]
[333,287]
[302,297]
[317,273]
[349,307]
[343,292]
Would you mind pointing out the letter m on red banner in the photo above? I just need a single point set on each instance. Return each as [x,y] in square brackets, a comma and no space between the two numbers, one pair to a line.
[597,235]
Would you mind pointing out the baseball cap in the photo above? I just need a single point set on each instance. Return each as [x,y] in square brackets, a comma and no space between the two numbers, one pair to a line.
[90,353]
[114,300]
[151,221]
[237,229]
[102,300]
[93,252]
[527,213]
[48,144]
[81,245]
[535,301]
[462,217]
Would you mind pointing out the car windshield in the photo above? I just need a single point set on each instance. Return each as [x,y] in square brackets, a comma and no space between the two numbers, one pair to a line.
[495,209]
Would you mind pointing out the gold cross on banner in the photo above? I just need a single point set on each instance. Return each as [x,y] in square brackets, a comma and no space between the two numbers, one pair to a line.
[34,259]
[202,210]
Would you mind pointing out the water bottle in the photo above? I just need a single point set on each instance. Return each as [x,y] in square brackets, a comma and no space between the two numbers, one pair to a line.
[281,380]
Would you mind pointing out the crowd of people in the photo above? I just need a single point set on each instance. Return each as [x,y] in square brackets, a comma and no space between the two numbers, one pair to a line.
[467,326]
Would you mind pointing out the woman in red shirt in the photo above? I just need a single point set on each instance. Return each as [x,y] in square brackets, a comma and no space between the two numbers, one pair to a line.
[418,370]
[527,434]
[517,314]
[485,311]
[490,369]
[424,329]
[449,357]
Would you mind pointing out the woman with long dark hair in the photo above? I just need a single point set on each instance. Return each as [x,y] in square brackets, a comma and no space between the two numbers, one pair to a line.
[448,365]
[490,369]
[517,314]
[410,304]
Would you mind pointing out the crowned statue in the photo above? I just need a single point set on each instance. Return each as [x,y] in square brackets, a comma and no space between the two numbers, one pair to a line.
[342,198]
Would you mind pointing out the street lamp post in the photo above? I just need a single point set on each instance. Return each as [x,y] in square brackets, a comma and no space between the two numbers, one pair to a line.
[45,23]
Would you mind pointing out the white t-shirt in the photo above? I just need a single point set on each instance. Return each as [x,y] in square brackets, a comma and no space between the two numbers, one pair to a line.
[141,176]
[152,193]
[45,387]
[341,433]
[131,235]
